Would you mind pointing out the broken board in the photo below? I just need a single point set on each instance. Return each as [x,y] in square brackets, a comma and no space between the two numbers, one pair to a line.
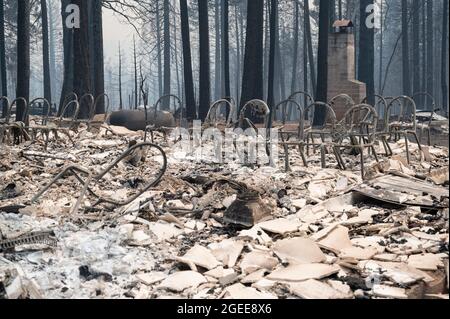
[403,191]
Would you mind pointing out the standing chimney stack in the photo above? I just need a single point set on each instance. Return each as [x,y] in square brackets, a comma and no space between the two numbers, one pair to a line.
[341,67]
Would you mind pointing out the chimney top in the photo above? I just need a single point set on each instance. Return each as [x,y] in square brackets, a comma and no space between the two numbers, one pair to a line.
[343,26]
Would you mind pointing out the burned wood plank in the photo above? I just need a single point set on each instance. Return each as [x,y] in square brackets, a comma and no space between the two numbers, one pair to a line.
[404,191]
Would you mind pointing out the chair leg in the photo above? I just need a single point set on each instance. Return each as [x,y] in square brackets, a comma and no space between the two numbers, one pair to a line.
[53,181]
[323,156]
[339,159]
[418,144]
[408,158]
[307,144]
[302,154]
[374,153]
[82,195]
[287,167]
[362,163]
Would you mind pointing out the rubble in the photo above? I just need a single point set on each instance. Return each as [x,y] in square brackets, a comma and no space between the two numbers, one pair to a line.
[221,231]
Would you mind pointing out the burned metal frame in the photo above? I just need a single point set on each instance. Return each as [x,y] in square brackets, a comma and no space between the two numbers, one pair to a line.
[42,127]
[211,117]
[3,100]
[307,98]
[257,107]
[153,128]
[91,106]
[380,105]
[426,127]
[405,124]
[92,123]
[349,101]
[64,125]
[96,177]
[359,127]
[302,98]
[285,135]
[18,126]
[327,129]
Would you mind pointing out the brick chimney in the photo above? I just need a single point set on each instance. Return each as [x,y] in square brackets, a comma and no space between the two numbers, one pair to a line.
[341,66]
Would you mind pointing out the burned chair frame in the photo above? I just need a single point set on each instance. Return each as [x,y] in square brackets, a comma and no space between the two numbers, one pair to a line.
[434,109]
[18,126]
[95,178]
[154,128]
[358,128]
[215,108]
[405,123]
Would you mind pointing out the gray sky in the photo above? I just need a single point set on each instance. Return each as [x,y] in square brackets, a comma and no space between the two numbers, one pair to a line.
[114,32]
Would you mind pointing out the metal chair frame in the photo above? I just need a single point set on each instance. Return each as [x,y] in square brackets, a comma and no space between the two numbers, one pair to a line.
[359,127]
[152,128]
[211,117]
[19,126]
[434,109]
[405,124]
[93,178]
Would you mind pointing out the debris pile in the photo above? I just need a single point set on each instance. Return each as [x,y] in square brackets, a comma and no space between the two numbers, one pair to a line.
[222,231]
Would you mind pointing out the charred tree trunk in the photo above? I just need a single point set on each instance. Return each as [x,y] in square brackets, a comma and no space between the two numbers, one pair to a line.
[226,48]
[52,45]
[295,57]
[68,39]
[204,85]
[167,78]
[187,60]
[46,53]
[23,56]
[322,60]
[430,50]
[238,55]
[176,55]
[218,52]
[444,56]
[99,69]
[405,50]
[273,38]
[158,49]
[252,80]
[82,71]
[310,46]
[120,80]
[416,46]
[366,57]
[135,76]
[3,78]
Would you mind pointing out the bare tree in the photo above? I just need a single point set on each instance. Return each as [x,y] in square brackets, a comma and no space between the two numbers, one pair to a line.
[167,80]
[98,66]
[322,60]
[3,78]
[187,60]
[405,50]
[444,56]
[226,48]
[205,85]
[366,57]
[82,71]
[430,49]
[23,56]
[252,81]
